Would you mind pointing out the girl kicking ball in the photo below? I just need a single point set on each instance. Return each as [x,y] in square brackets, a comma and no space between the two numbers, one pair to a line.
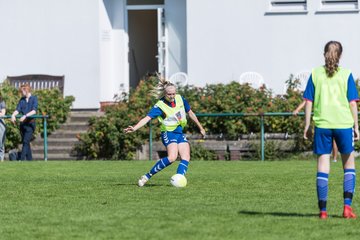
[331,90]
[171,112]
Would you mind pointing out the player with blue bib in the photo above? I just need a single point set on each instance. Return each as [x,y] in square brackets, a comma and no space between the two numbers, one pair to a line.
[171,111]
[331,90]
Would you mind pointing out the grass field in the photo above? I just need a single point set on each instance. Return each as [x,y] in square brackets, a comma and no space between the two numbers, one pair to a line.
[223,200]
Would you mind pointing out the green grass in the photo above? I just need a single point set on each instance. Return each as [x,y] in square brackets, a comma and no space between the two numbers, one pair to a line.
[223,200]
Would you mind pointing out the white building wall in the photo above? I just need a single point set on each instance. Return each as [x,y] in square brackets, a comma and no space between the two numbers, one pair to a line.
[53,37]
[175,14]
[226,38]
[213,41]
[114,73]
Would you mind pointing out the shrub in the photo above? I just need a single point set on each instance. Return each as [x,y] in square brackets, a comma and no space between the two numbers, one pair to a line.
[272,150]
[51,102]
[106,140]
[229,98]
[198,152]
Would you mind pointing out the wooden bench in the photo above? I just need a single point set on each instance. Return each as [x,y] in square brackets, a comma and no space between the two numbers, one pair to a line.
[38,81]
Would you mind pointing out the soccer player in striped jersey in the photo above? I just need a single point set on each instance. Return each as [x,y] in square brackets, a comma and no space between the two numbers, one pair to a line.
[331,91]
[171,111]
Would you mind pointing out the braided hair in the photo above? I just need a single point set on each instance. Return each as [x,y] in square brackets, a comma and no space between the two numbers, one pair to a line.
[332,54]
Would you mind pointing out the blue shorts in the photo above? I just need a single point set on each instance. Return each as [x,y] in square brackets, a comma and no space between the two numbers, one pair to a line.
[171,137]
[323,140]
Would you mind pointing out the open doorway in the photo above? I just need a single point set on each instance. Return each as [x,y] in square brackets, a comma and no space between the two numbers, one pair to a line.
[143,44]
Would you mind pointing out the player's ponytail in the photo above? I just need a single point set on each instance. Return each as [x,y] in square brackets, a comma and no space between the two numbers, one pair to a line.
[332,54]
[159,90]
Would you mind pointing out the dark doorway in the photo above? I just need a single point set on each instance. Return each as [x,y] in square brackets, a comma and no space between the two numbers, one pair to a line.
[142,30]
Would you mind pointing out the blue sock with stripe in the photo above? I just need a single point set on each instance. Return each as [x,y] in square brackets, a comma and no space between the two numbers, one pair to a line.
[349,185]
[183,167]
[322,180]
[159,165]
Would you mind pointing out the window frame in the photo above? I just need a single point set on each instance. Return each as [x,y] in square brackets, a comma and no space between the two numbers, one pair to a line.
[287,7]
[334,6]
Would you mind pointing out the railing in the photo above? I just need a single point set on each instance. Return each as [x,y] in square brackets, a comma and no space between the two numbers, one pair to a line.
[260,115]
[38,81]
[44,117]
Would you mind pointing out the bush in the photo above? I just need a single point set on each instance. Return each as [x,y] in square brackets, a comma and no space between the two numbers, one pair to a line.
[273,150]
[51,102]
[198,152]
[106,140]
[229,98]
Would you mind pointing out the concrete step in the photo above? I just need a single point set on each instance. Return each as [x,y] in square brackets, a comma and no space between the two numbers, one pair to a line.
[54,151]
[62,142]
[87,113]
[55,142]
[83,116]
[80,119]
[58,148]
[74,126]
[56,157]
[65,134]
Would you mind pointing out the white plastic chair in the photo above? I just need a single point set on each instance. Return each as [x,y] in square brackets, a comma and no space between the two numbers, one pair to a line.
[303,77]
[254,79]
[180,79]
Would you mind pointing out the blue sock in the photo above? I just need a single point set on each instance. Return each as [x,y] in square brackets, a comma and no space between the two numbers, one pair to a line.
[159,165]
[349,185]
[322,189]
[183,167]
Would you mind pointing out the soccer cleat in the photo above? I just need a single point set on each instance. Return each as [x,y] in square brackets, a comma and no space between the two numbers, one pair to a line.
[348,212]
[323,215]
[143,180]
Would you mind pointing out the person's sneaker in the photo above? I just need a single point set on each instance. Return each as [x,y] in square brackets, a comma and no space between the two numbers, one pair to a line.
[143,179]
[348,212]
[323,215]
[334,160]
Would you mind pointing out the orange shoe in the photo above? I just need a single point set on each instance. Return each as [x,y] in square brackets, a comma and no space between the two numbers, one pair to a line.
[323,215]
[348,212]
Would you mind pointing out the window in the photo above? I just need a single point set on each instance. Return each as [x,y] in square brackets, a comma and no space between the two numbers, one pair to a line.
[288,6]
[339,5]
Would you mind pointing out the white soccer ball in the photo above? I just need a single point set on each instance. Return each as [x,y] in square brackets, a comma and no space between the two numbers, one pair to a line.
[178,180]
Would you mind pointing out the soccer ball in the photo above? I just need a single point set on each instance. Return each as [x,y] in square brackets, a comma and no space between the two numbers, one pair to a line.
[178,180]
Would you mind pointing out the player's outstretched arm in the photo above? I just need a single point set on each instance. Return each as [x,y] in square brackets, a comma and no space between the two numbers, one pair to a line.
[140,124]
[354,111]
[195,119]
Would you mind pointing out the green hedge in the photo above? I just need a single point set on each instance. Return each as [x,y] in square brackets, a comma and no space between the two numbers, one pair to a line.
[51,102]
[106,140]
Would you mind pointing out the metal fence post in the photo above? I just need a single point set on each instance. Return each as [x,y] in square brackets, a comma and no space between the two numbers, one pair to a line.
[150,141]
[262,136]
[45,139]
